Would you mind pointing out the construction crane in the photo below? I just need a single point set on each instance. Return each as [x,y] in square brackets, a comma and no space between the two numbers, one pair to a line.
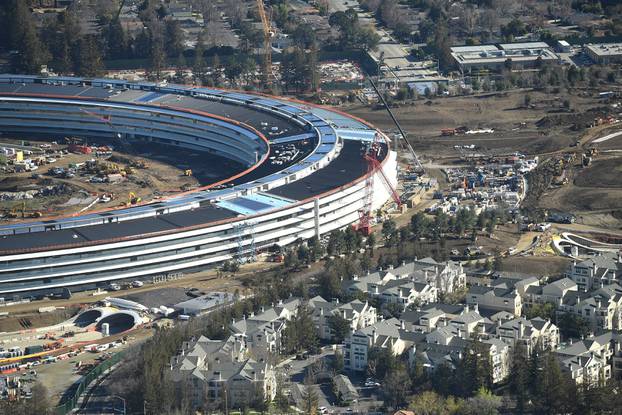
[374,168]
[418,166]
[267,45]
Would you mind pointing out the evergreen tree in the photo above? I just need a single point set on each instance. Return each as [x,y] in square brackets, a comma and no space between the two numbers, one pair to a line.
[339,327]
[116,40]
[519,376]
[175,38]
[25,39]
[89,61]
[198,67]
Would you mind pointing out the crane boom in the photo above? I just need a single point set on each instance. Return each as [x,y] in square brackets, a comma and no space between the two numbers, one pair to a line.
[267,58]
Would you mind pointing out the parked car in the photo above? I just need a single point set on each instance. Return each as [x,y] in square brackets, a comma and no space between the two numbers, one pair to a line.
[137,284]
[114,287]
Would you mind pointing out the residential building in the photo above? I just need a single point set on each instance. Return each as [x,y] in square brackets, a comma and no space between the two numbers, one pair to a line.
[495,299]
[430,317]
[418,282]
[359,314]
[214,372]
[388,334]
[263,331]
[529,333]
[604,53]
[451,349]
[553,292]
[345,390]
[601,308]
[588,361]
[596,272]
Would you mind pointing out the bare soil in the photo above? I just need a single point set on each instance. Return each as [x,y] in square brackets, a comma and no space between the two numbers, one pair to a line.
[516,127]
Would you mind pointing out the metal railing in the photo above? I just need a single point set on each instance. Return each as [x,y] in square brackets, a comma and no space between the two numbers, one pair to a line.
[72,401]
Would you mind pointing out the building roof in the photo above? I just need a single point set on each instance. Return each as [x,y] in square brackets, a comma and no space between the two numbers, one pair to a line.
[606,49]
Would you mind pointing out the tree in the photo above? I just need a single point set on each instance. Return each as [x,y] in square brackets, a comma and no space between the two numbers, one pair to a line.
[339,362]
[310,399]
[380,362]
[572,325]
[484,403]
[116,41]
[389,229]
[475,369]
[339,327]
[396,387]
[89,61]
[431,403]
[25,39]
[300,333]
[175,38]
[419,225]
[519,376]
[198,67]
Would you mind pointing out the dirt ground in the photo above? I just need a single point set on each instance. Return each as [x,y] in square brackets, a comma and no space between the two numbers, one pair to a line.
[162,177]
[29,320]
[515,126]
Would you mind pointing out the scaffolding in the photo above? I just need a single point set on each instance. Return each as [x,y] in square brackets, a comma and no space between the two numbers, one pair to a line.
[245,238]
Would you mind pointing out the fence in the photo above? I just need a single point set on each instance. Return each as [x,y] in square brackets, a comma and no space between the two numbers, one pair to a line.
[85,381]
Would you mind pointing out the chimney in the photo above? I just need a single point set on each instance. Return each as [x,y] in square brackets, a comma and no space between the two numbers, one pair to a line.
[476,307]
[344,313]
[466,309]
[374,336]
[521,328]
[336,300]
[402,325]
[459,331]
[321,311]
[403,263]
[263,309]
[391,266]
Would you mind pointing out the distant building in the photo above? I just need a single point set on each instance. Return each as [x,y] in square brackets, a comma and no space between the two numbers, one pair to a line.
[492,57]
[604,53]
[563,46]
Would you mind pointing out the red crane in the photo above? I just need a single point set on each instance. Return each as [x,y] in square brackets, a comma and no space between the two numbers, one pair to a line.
[374,168]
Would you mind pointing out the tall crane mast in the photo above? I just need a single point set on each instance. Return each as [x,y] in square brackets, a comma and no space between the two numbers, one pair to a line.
[267,36]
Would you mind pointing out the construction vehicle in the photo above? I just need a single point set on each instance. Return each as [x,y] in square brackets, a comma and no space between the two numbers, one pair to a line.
[133,199]
[139,164]
[445,132]
[188,172]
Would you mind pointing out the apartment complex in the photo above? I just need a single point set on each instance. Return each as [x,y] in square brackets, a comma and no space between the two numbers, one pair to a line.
[218,373]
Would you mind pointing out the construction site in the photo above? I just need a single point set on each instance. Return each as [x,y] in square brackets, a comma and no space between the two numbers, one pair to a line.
[46,179]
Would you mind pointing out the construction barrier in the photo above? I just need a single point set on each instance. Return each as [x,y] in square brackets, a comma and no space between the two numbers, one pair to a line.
[84,382]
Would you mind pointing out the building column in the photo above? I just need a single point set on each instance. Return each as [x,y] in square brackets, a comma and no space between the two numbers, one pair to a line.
[316,216]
